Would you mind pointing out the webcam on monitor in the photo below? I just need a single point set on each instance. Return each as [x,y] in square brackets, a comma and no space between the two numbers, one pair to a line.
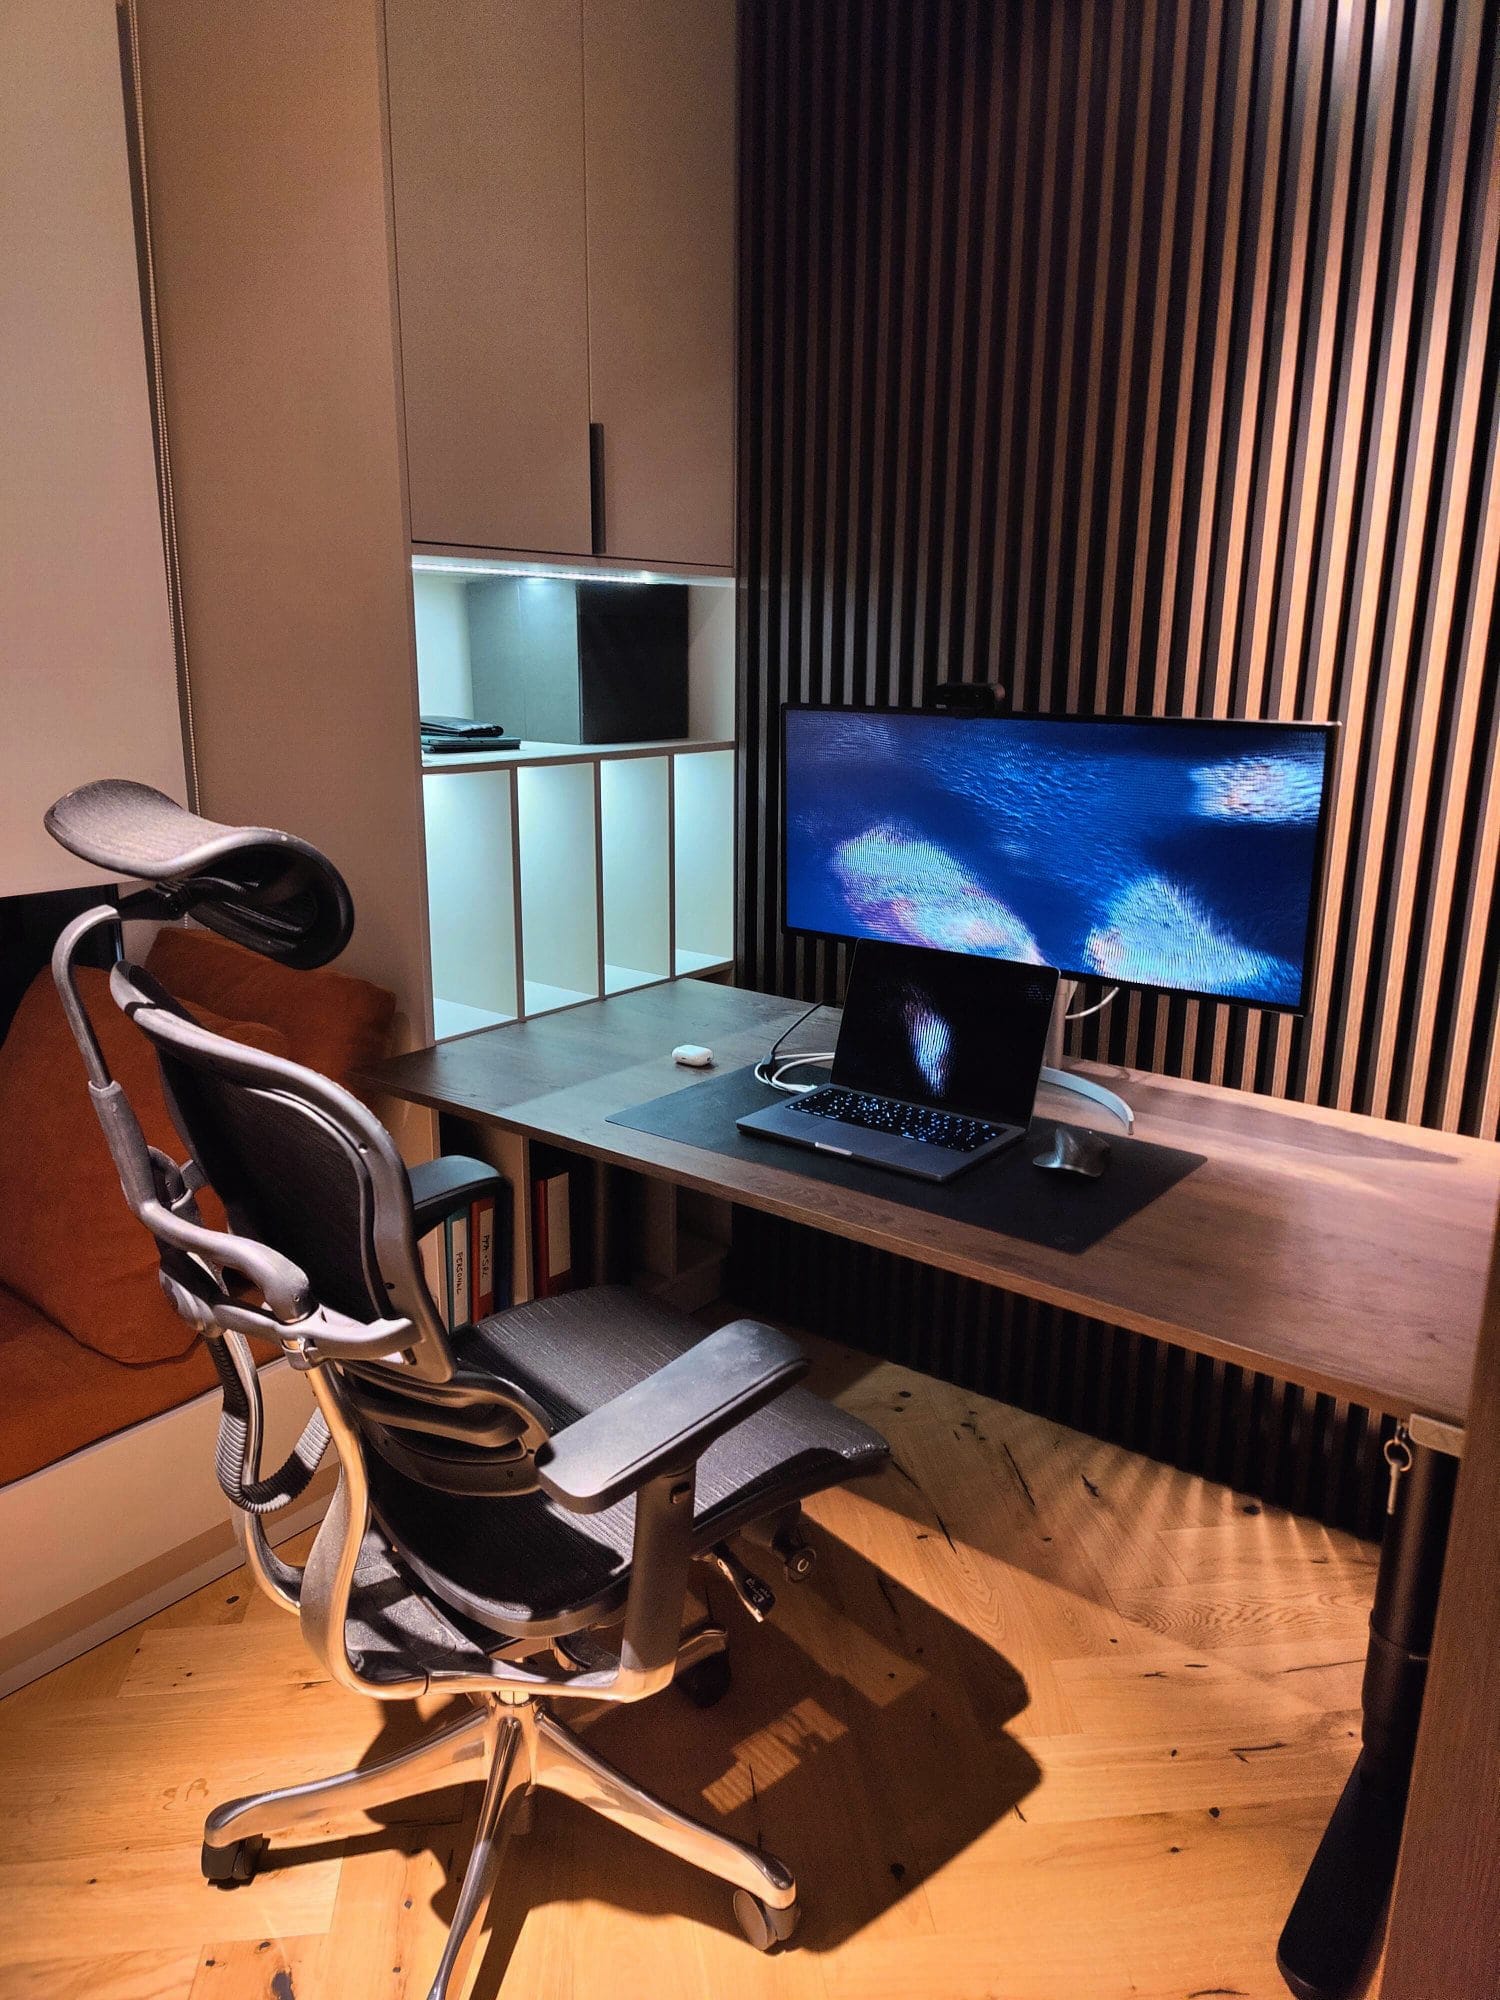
[967,698]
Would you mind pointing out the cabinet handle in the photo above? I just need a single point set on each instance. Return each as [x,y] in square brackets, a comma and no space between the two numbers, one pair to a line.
[596,488]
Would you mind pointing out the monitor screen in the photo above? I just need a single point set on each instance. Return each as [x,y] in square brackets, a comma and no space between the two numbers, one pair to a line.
[1183,855]
[943,1028]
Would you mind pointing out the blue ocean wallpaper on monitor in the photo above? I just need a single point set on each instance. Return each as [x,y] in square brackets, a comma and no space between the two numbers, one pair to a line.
[1178,855]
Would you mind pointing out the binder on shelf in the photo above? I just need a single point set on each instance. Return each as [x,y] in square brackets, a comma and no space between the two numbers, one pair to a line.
[552,1235]
[482,1256]
[554,1195]
[434,1253]
[456,1230]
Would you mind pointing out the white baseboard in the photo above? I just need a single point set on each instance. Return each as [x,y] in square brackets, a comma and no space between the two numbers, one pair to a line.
[124,1527]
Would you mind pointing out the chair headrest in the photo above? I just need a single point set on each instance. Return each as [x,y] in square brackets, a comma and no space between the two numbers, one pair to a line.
[269,891]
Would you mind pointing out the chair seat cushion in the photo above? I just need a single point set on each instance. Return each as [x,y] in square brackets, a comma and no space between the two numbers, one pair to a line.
[520,1564]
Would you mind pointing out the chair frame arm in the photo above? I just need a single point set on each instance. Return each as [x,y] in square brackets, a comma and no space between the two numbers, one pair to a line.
[440,1187]
[749,1368]
[665,1423]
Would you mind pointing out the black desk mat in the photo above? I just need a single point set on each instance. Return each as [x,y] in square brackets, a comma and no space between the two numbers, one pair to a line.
[1007,1194]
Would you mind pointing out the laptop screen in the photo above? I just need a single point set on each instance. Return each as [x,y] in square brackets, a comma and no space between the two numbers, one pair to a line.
[940,1028]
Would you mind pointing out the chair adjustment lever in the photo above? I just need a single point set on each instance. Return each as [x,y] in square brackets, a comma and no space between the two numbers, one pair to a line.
[753,1591]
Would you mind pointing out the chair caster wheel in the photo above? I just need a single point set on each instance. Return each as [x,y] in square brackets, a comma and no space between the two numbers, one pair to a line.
[766,1928]
[231,1867]
[707,1682]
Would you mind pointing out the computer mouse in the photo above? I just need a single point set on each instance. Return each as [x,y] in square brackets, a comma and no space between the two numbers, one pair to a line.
[1075,1152]
[692,1055]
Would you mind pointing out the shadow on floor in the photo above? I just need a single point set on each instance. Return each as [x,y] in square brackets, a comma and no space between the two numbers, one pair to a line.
[863,1740]
[1038,1532]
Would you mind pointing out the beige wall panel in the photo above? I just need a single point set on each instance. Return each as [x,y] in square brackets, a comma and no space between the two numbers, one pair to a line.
[88,683]
[264,151]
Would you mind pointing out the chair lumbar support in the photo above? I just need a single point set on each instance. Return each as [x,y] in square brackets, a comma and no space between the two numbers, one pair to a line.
[515,1746]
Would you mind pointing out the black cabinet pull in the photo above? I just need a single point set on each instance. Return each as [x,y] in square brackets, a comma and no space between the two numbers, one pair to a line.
[596,488]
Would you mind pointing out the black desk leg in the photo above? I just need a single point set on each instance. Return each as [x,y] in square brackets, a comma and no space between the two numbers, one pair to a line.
[1332,1932]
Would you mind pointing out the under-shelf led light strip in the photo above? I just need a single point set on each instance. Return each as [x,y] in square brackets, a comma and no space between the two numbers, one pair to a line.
[456,566]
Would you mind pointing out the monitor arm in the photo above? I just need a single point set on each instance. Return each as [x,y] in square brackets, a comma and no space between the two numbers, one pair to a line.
[1055,1072]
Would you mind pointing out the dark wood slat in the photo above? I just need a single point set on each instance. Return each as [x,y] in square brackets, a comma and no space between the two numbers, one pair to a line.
[1141,357]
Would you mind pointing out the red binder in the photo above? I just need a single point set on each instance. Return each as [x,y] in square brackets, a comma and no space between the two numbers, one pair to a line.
[482,1257]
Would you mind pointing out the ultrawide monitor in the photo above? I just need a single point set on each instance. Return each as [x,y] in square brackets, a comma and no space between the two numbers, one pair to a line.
[1181,855]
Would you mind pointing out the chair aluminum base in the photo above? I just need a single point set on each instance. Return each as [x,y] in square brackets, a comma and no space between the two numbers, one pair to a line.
[516,1747]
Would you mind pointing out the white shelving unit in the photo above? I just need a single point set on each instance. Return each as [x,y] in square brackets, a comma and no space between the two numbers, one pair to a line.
[703,860]
[635,851]
[562,872]
[472,899]
[558,856]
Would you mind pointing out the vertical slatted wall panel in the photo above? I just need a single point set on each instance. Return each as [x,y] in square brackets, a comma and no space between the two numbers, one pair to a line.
[1142,354]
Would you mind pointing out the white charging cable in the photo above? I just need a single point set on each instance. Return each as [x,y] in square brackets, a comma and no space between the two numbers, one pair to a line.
[773,1069]
[775,1066]
[1083,1013]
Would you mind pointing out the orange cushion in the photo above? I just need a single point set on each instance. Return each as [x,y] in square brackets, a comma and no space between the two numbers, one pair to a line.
[333,1023]
[69,1245]
[60,1396]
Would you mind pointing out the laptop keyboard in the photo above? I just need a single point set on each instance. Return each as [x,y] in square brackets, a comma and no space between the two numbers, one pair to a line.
[947,1129]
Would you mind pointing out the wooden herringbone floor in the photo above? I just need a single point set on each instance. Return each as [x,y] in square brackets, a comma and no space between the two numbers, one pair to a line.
[1049,1723]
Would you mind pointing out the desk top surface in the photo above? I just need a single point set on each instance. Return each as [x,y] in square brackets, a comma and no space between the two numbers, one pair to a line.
[1343,1253]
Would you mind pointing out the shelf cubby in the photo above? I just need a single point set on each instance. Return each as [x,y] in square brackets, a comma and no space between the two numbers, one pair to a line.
[558,848]
[703,859]
[635,851]
[560,872]
[471,899]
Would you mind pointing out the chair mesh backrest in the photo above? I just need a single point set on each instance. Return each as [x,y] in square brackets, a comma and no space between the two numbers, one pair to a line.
[287,1176]
[306,1170]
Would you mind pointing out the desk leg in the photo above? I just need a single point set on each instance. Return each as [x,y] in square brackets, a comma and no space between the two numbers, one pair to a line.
[1336,1920]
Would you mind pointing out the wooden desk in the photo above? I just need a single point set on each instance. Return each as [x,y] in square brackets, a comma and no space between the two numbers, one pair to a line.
[1341,1253]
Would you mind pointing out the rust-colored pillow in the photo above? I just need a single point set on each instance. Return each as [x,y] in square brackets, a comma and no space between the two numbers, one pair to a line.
[333,1023]
[68,1243]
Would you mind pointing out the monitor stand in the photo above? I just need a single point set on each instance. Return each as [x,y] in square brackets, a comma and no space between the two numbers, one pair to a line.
[1060,1078]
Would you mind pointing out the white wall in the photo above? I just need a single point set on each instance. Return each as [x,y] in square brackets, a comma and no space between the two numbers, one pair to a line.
[711,662]
[88,684]
[444,679]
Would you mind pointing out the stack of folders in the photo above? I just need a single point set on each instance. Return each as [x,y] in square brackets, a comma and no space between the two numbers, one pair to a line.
[466,1261]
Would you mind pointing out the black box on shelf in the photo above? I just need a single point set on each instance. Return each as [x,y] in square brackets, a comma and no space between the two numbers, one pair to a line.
[564,661]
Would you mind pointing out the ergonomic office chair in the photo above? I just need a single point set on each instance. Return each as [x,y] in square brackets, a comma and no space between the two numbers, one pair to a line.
[519,1502]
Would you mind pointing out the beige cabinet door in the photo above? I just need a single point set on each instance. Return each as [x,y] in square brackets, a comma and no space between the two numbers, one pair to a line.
[659,86]
[487,162]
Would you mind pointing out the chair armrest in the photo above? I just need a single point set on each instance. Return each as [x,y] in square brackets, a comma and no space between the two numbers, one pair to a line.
[438,1187]
[667,1422]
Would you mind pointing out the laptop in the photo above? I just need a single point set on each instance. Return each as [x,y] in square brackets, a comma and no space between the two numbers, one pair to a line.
[938,1060]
